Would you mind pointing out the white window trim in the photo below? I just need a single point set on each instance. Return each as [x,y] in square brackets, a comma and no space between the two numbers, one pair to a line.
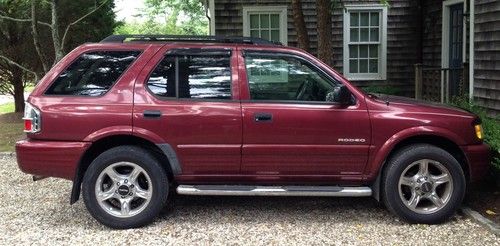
[382,74]
[247,10]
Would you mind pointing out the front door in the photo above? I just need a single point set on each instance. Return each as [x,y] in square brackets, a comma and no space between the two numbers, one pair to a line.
[455,47]
[289,128]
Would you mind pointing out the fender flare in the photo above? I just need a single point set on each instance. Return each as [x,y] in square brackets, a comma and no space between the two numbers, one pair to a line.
[167,150]
[379,160]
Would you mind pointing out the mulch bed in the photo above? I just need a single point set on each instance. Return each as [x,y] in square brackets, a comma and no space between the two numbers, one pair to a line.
[484,197]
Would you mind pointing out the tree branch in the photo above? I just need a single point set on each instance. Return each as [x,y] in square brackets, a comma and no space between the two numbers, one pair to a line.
[63,41]
[19,66]
[6,87]
[23,20]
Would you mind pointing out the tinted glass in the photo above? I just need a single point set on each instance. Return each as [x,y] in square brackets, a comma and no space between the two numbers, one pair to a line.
[197,76]
[93,73]
[285,78]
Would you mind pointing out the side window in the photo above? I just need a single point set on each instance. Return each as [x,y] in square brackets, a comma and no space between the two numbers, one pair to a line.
[192,76]
[272,77]
[93,73]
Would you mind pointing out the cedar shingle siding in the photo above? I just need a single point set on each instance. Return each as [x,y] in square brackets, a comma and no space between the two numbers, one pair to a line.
[401,45]
[487,54]
[413,36]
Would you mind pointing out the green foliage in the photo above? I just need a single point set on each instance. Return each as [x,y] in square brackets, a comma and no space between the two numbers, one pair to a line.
[387,90]
[169,17]
[491,126]
[93,28]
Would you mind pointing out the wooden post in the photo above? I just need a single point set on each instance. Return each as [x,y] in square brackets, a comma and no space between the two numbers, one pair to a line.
[418,81]
[464,89]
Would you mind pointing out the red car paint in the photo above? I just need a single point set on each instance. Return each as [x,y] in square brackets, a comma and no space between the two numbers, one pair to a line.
[219,142]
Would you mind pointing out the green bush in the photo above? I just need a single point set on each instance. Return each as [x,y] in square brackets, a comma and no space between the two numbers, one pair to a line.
[491,126]
[387,90]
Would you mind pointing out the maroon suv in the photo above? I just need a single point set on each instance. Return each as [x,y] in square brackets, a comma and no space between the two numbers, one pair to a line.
[134,117]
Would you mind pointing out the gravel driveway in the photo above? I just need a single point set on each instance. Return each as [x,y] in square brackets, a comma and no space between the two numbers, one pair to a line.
[39,213]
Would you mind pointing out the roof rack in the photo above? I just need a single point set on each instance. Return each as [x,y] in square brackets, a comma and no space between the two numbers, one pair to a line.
[186,38]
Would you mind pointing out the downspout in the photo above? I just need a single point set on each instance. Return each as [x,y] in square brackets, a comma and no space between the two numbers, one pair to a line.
[471,50]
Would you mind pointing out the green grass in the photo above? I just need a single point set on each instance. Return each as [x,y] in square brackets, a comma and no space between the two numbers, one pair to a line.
[6,108]
[11,130]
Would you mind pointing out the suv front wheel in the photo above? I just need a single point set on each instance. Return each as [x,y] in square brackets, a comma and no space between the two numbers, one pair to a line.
[125,187]
[423,184]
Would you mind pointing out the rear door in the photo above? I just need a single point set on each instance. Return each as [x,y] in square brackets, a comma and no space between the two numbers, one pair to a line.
[290,131]
[186,98]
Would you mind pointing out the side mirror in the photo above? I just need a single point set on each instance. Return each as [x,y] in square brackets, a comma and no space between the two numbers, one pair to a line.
[340,94]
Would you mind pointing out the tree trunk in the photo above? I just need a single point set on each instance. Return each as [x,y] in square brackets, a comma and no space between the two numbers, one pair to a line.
[325,52]
[17,82]
[36,39]
[300,25]
[59,53]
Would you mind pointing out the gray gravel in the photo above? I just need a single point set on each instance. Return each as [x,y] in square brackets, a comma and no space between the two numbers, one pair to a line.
[39,213]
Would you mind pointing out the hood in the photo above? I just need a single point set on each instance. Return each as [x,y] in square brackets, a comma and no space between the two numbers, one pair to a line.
[414,105]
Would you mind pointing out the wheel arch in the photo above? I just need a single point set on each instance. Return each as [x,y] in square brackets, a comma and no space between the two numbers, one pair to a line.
[435,140]
[163,152]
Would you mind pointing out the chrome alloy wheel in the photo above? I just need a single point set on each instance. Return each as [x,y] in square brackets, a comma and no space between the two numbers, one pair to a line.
[123,189]
[425,186]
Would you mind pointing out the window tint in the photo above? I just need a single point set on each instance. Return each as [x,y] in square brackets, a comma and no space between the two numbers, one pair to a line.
[192,76]
[93,73]
[285,78]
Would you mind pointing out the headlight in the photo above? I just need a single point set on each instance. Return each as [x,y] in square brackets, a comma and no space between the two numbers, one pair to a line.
[479,131]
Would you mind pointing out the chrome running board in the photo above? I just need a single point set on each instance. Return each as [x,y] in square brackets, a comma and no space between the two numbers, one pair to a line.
[244,190]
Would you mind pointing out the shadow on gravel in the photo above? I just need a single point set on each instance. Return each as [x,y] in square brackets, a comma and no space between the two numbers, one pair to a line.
[266,209]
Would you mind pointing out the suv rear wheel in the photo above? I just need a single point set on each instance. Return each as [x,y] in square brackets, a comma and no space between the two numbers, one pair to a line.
[125,187]
[423,184]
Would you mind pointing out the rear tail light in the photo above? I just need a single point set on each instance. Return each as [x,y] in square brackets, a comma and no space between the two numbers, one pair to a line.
[31,119]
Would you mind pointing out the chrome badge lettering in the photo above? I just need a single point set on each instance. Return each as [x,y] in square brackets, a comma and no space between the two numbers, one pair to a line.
[351,140]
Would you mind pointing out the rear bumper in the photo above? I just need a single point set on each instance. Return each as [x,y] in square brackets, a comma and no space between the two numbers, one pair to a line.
[479,158]
[50,158]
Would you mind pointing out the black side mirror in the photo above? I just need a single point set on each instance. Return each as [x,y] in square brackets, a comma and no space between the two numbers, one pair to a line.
[340,95]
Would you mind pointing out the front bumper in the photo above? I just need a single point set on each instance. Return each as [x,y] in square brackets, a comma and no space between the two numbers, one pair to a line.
[50,158]
[479,159]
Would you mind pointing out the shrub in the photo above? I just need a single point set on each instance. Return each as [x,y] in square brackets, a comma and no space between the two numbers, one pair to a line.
[491,126]
[388,90]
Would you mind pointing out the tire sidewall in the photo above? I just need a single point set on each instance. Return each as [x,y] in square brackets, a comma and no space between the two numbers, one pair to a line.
[139,157]
[401,162]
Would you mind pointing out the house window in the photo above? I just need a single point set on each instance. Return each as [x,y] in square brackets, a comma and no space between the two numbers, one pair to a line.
[267,22]
[365,42]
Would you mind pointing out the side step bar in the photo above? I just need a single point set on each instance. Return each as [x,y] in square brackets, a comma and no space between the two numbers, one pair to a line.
[243,190]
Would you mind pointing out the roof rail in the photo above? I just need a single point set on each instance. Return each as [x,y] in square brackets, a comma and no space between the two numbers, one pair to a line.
[186,38]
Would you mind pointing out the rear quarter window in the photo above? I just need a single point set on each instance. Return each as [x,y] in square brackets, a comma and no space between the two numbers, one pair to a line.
[93,73]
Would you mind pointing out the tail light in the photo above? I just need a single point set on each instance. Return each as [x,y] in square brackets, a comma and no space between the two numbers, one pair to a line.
[31,119]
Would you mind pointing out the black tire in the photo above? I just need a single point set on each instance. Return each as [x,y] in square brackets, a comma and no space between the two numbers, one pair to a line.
[145,160]
[403,159]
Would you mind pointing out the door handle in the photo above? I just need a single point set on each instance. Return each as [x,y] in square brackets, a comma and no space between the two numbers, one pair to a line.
[263,117]
[151,113]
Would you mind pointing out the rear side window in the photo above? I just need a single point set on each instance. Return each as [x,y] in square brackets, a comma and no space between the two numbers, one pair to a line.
[192,76]
[93,73]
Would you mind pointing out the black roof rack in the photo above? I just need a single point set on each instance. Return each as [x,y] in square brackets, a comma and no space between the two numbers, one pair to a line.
[186,38]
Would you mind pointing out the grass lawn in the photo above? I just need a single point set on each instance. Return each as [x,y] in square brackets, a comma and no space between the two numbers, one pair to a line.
[11,130]
[6,108]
